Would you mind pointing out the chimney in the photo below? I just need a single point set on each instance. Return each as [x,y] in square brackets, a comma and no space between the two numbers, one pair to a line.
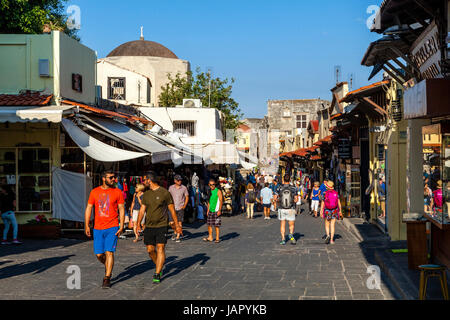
[142,33]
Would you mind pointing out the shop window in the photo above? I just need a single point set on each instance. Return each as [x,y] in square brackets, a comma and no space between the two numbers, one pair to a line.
[34,183]
[8,168]
[436,176]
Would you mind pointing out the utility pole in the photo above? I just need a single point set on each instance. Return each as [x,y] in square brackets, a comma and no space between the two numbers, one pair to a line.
[209,87]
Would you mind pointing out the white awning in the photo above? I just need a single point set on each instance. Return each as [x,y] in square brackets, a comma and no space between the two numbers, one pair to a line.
[244,156]
[219,153]
[96,149]
[131,136]
[32,114]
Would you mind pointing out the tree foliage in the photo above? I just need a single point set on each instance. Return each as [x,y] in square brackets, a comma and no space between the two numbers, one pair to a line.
[30,16]
[190,86]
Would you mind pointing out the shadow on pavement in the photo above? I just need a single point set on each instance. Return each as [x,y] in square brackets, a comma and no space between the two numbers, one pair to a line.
[189,235]
[137,269]
[229,236]
[176,266]
[29,245]
[3,262]
[297,236]
[195,225]
[29,267]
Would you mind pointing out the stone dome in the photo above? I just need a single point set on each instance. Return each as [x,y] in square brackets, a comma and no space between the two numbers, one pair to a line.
[142,48]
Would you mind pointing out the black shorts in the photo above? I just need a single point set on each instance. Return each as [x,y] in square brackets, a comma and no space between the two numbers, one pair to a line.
[268,205]
[152,236]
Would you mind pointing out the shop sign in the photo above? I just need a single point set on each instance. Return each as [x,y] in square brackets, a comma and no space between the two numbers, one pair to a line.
[344,149]
[378,129]
[429,98]
[426,53]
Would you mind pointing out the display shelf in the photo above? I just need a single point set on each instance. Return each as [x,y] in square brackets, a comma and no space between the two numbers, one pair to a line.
[438,222]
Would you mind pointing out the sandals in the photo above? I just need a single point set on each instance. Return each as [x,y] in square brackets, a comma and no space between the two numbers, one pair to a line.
[217,241]
[207,240]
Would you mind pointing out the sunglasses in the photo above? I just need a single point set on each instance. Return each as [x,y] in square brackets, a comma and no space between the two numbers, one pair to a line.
[211,184]
[112,177]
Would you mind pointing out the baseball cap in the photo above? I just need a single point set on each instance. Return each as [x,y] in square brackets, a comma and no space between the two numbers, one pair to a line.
[178,177]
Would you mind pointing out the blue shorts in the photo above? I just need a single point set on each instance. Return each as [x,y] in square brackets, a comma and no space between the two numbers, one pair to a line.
[105,240]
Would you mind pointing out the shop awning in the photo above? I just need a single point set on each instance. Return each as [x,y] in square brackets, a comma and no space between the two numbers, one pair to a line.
[33,114]
[96,149]
[129,135]
[219,153]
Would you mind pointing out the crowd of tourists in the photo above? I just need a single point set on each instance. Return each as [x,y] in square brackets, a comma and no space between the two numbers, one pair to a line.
[150,206]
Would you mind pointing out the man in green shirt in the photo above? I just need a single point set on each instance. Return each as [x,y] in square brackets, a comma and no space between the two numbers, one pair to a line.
[156,203]
[214,212]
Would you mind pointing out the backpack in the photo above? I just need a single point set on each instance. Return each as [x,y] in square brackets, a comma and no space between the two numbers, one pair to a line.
[437,197]
[331,199]
[251,196]
[286,197]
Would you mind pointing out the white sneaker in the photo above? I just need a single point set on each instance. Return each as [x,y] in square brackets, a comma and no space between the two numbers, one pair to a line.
[15,241]
[5,242]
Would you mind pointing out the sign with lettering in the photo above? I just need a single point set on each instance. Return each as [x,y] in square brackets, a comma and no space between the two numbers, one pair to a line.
[345,149]
[426,53]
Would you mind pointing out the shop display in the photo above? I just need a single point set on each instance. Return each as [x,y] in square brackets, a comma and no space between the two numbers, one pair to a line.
[436,174]
[29,167]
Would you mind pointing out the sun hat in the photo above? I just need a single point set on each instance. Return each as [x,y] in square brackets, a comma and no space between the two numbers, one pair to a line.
[329,184]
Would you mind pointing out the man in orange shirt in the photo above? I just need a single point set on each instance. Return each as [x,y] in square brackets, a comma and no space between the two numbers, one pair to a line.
[106,199]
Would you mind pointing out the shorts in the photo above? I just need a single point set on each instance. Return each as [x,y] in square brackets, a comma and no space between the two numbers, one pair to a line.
[286,214]
[153,236]
[136,215]
[105,240]
[331,214]
[266,205]
[180,215]
[213,220]
[298,208]
[315,205]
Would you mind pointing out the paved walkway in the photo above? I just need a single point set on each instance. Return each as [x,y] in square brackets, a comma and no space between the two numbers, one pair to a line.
[248,264]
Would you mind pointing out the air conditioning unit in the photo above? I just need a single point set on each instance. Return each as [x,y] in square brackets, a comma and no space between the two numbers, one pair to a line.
[192,103]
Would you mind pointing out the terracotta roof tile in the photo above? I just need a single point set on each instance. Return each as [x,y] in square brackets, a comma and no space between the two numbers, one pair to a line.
[315,125]
[25,99]
[351,94]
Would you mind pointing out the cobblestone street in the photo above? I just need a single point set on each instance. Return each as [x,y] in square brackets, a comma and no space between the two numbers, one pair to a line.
[249,263]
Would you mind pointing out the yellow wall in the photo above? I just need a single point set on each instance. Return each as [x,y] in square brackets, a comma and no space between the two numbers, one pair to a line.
[240,144]
[396,182]
[32,133]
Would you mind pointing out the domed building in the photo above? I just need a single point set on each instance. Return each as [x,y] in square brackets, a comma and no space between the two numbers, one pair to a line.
[134,72]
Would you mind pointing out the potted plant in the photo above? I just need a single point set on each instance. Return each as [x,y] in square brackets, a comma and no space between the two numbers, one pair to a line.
[40,228]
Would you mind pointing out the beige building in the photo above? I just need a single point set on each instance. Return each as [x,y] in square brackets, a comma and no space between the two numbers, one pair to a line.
[134,72]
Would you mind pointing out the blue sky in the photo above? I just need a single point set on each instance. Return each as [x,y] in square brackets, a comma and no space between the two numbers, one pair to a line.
[284,49]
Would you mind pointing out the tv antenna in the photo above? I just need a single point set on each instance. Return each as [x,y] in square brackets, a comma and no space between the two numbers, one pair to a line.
[209,73]
[350,81]
[337,73]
